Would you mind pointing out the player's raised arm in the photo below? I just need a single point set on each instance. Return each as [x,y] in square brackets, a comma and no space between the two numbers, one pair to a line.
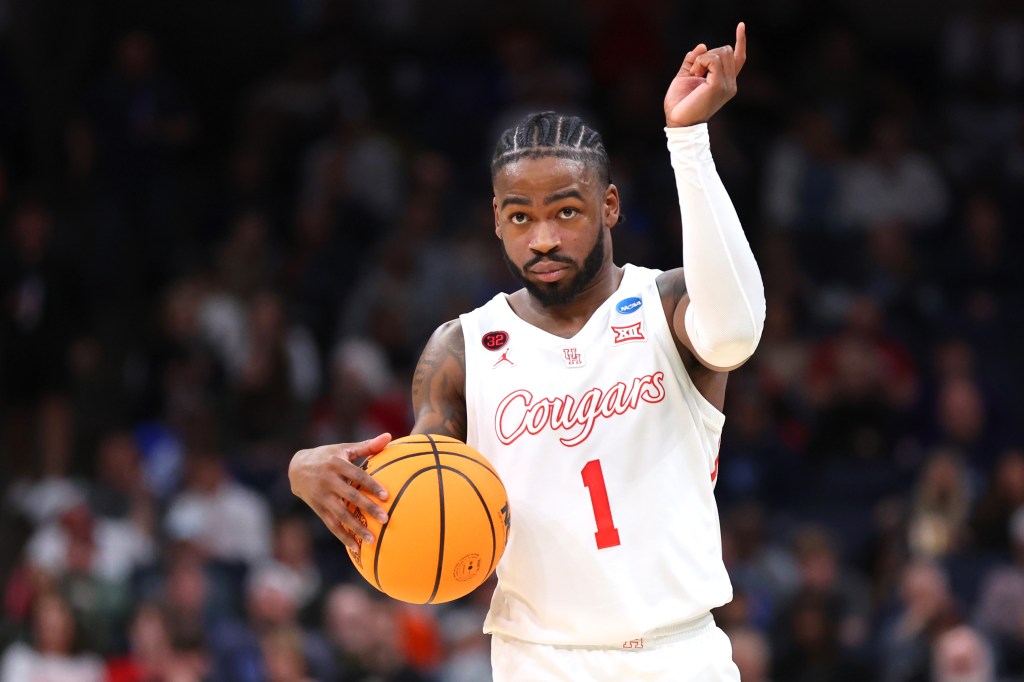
[439,384]
[721,317]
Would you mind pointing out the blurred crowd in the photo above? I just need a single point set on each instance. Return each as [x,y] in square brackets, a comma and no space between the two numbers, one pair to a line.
[229,227]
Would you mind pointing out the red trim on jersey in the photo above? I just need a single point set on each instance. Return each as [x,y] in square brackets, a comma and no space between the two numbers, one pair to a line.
[714,472]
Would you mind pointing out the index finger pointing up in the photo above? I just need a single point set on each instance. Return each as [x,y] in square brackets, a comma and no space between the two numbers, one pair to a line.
[740,51]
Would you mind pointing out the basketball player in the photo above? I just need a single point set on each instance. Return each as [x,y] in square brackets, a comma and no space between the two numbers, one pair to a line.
[596,391]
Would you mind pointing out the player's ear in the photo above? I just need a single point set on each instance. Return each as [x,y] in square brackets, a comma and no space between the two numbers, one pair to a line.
[611,206]
[497,221]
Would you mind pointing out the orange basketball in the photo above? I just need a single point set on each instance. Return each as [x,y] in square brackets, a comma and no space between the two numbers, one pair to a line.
[448,520]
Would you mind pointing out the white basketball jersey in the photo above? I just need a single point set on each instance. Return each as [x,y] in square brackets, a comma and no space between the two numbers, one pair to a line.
[609,454]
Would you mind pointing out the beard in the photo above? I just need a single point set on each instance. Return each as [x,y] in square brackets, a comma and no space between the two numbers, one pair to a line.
[560,293]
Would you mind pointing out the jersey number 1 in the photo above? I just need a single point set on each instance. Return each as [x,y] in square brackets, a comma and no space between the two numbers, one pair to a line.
[607,534]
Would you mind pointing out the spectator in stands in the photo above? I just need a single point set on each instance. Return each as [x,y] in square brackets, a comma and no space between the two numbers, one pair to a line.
[1003,495]
[181,374]
[962,423]
[1000,607]
[363,633]
[837,585]
[942,499]
[979,47]
[125,145]
[91,560]
[783,354]
[961,655]
[978,260]
[276,378]
[245,262]
[239,647]
[226,520]
[752,654]
[194,596]
[44,316]
[292,554]
[311,274]
[926,608]
[762,467]
[861,382]
[765,572]
[119,491]
[803,184]
[364,397]
[893,181]
[54,649]
[283,656]
[893,272]
[810,649]
[360,169]
[156,653]
[126,142]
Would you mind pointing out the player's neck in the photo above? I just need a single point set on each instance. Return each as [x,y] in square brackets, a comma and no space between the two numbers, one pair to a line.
[567,319]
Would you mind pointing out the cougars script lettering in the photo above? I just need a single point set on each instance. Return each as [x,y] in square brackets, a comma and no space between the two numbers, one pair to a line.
[520,413]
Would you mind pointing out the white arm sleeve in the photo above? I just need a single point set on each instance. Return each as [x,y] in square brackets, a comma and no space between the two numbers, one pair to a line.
[726,313]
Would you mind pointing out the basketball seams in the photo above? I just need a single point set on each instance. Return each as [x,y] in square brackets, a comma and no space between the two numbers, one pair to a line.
[450,453]
[487,511]
[379,545]
[441,516]
[396,460]
[474,460]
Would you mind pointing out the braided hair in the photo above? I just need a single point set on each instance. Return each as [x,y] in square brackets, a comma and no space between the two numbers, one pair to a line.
[552,134]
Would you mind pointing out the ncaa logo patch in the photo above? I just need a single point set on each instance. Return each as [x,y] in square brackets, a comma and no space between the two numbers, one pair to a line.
[629,305]
[494,340]
[629,332]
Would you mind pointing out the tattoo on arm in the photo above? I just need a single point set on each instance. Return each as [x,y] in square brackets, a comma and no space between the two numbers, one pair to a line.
[439,384]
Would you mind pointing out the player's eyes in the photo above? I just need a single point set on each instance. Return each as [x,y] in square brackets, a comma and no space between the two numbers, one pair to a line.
[568,212]
[518,218]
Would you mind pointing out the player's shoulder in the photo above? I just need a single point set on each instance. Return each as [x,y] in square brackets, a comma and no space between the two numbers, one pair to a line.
[448,334]
[443,355]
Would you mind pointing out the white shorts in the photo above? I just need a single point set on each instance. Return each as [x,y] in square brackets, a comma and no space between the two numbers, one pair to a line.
[695,652]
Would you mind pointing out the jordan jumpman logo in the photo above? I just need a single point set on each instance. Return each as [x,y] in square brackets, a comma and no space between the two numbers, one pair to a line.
[503,358]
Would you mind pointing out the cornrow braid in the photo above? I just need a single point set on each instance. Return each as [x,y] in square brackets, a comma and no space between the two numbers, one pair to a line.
[552,134]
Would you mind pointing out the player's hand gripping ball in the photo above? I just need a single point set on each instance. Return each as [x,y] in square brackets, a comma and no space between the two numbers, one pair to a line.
[448,520]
